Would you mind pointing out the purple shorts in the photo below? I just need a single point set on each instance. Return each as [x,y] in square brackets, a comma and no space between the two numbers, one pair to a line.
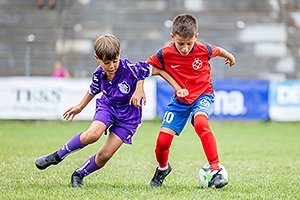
[123,126]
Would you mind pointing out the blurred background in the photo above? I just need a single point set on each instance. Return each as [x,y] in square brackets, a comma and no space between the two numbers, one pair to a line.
[264,35]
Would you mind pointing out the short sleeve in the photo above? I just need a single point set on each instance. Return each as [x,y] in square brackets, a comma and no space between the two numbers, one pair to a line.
[96,81]
[215,51]
[157,60]
[140,70]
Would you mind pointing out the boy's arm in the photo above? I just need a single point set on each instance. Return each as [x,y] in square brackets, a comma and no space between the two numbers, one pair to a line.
[179,91]
[229,58]
[138,95]
[74,110]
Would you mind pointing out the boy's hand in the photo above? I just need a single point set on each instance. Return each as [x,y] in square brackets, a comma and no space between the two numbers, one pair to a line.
[182,92]
[230,59]
[71,112]
[136,98]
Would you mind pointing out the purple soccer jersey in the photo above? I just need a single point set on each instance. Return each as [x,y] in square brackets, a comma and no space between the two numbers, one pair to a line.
[112,107]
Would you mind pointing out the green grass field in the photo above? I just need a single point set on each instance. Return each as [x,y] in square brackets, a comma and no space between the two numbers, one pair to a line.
[263,161]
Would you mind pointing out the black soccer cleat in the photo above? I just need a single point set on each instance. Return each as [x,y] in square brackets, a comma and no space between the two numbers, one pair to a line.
[217,180]
[77,180]
[159,176]
[45,161]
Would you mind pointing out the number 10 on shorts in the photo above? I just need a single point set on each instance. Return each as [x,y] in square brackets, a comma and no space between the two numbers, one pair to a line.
[168,117]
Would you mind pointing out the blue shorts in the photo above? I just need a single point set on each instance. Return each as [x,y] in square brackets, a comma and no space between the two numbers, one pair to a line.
[177,112]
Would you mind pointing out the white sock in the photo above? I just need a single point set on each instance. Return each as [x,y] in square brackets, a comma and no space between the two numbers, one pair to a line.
[164,168]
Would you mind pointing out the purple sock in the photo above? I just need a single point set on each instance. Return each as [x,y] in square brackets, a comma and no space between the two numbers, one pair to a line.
[88,167]
[71,146]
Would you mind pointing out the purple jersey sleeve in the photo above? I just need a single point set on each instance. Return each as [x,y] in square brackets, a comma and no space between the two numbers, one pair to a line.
[140,70]
[96,81]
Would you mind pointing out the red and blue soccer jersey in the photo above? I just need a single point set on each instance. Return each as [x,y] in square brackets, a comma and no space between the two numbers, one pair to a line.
[191,72]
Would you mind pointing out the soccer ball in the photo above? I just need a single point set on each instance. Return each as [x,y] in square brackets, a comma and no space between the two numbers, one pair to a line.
[204,175]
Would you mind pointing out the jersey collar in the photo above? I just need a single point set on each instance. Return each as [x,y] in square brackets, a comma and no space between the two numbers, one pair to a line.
[189,52]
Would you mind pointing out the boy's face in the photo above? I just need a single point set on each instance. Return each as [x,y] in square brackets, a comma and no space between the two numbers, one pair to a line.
[184,44]
[109,66]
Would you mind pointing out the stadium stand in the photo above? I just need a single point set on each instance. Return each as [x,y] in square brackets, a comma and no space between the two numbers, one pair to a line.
[263,34]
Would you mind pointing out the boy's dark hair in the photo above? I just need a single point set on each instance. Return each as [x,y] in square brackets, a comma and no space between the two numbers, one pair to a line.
[107,47]
[185,25]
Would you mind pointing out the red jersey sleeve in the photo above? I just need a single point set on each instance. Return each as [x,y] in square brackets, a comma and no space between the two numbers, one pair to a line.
[156,60]
[215,51]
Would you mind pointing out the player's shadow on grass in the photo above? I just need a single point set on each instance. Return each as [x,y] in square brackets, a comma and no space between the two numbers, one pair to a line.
[139,186]
[110,186]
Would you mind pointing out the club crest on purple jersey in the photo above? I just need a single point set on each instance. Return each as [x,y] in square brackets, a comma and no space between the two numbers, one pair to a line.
[124,87]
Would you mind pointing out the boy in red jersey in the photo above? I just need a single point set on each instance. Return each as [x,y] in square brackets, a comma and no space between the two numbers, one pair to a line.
[187,61]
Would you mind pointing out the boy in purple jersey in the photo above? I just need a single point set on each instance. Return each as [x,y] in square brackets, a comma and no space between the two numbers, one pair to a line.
[120,84]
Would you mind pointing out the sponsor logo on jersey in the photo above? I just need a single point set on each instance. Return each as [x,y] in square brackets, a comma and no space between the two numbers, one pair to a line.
[128,137]
[124,87]
[95,78]
[174,66]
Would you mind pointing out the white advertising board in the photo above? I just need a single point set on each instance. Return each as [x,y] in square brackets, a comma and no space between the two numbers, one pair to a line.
[284,100]
[47,98]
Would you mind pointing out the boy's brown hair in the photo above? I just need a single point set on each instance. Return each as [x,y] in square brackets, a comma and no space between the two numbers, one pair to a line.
[107,47]
[185,25]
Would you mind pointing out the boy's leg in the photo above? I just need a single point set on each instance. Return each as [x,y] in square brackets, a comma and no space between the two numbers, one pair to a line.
[162,149]
[208,140]
[74,144]
[88,167]
[202,109]
[210,148]
[97,161]
[174,121]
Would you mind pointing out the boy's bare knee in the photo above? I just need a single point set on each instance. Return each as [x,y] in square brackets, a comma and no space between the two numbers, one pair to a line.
[90,136]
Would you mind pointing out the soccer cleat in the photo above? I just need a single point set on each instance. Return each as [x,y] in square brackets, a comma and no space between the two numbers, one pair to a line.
[45,161]
[159,176]
[77,180]
[217,180]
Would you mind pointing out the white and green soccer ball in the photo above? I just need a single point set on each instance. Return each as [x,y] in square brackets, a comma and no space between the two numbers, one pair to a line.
[204,175]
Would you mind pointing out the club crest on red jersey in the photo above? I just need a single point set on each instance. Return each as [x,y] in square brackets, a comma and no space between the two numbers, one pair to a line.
[197,64]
